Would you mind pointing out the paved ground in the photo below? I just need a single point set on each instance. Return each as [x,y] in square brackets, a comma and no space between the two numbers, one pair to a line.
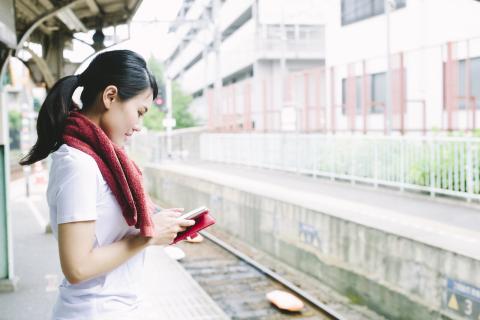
[453,212]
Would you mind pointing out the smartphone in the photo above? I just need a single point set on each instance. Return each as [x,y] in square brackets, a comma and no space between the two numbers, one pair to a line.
[194,213]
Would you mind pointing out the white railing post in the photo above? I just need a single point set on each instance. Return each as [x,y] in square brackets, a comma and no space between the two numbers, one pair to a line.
[470,190]
[432,168]
[455,184]
[332,157]
[315,151]
[352,160]
[250,154]
[297,145]
[375,165]
[266,157]
[402,165]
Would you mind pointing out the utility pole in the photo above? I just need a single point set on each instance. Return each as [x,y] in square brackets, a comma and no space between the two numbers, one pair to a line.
[283,38]
[205,52]
[169,121]
[283,67]
[216,47]
[206,78]
[389,6]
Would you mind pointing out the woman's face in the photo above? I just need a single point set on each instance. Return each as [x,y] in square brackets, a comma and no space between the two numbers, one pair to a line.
[122,118]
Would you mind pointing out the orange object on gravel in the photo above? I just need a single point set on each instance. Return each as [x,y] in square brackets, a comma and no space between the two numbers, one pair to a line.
[285,300]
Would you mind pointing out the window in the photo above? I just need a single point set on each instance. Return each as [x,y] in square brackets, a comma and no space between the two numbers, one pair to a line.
[357,10]
[474,84]
[377,93]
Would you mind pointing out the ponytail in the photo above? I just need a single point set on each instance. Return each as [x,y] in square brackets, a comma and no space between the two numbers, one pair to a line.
[51,119]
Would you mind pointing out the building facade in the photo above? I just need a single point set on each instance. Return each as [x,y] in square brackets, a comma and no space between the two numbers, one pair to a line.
[262,41]
[333,66]
[434,48]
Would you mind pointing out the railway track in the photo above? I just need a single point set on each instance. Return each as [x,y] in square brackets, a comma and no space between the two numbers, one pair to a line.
[238,283]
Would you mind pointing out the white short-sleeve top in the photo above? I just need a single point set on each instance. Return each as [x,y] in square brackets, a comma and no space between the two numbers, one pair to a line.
[77,192]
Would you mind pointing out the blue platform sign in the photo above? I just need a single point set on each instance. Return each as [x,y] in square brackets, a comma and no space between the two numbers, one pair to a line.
[463,299]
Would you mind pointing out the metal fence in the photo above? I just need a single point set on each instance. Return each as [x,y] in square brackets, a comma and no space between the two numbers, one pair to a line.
[152,147]
[447,166]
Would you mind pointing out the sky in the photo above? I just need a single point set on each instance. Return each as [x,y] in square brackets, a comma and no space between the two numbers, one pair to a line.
[152,37]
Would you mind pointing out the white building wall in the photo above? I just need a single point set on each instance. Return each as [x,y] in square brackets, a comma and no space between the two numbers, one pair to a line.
[230,11]
[311,12]
[234,57]
[420,30]
[420,23]
[238,50]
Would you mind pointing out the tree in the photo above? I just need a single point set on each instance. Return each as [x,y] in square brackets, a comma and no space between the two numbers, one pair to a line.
[15,125]
[153,119]
[180,101]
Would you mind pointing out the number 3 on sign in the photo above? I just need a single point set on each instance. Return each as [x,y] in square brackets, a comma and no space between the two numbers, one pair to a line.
[468,307]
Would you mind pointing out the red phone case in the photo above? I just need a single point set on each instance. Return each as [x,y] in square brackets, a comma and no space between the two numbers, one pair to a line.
[201,222]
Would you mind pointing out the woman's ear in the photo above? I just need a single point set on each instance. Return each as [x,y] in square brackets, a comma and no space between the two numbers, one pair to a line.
[109,95]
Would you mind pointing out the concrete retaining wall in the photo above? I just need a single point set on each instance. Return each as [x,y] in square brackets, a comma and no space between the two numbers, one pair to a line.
[393,275]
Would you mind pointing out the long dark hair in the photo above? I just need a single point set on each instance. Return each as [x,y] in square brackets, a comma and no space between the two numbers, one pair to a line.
[124,69]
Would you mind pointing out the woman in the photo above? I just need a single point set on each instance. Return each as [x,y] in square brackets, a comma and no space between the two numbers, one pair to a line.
[100,213]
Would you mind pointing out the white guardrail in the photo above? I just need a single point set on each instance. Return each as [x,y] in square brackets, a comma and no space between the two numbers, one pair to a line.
[448,166]
[152,146]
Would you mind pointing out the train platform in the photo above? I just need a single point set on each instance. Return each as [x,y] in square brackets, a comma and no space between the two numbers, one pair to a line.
[448,224]
[169,293]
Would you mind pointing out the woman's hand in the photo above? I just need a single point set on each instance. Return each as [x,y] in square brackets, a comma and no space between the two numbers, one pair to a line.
[167,225]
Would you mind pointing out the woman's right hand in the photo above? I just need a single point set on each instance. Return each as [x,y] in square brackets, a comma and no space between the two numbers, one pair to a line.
[167,225]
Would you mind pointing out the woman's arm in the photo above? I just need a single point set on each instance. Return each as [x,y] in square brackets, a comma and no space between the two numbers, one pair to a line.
[80,261]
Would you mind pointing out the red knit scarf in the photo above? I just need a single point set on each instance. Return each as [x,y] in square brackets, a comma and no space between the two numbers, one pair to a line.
[120,172]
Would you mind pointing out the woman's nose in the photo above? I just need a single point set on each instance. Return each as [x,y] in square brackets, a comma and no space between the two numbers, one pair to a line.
[137,127]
